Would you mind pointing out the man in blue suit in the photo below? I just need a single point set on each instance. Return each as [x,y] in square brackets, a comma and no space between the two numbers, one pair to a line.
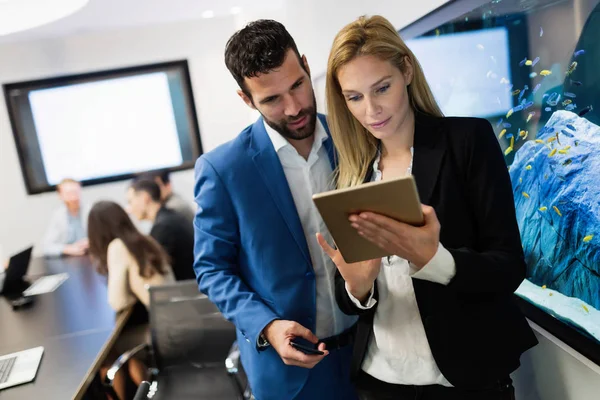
[256,254]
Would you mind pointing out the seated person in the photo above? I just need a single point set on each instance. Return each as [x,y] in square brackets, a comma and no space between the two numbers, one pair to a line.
[170,199]
[172,230]
[132,262]
[66,233]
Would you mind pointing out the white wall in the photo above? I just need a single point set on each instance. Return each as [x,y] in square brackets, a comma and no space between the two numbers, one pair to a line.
[551,371]
[221,113]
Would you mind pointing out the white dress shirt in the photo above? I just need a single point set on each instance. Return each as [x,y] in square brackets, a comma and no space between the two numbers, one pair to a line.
[305,178]
[398,350]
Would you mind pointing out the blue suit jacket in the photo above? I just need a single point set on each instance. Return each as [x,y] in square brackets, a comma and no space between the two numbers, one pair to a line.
[251,256]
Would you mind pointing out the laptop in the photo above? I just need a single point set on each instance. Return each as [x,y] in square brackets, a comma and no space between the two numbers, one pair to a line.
[21,367]
[14,284]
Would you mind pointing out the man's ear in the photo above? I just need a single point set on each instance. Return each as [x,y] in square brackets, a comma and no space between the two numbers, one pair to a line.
[305,62]
[246,99]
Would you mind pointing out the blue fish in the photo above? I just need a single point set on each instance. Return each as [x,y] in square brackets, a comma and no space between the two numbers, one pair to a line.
[579,53]
[571,107]
[537,59]
[569,94]
[506,125]
[567,133]
[518,108]
[499,122]
[527,105]
[547,109]
[535,89]
[522,62]
[571,127]
[576,83]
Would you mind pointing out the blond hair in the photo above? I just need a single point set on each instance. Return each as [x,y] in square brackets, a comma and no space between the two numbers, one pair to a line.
[367,36]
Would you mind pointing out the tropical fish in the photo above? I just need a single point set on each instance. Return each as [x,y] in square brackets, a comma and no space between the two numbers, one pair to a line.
[569,94]
[535,61]
[512,141]
[525,195]
[588,238]
[550,294]
[566,102]
[551,139]
[531,114]
[528,167]
[571,127]
[562,151]
[528,62]
[528,104]
[539,141]
[509,113]
[545,72]
[506,125]
[567,162]
[480,47]
[586,110]
[578,53]
[552,153]
[575,83]
[535,89]
[547,109]
[543,208]
[571,107]
[522,62]
[508,151]
[557,211]
[567,147]
[543,286]
[502,132]
[533,75]
[518,108]
[585,308]
[516,92]
[499,122]
[437,32]
[567,133]
[572,68]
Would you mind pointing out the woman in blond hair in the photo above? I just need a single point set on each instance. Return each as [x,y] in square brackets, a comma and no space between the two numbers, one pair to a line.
[437,319]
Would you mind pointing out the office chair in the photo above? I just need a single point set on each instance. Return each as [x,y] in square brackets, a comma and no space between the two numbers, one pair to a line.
[190,347]
[143,391]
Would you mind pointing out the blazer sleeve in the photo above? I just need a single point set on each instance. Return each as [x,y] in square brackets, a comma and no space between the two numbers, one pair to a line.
[497,263]
[216,256]
[343,298]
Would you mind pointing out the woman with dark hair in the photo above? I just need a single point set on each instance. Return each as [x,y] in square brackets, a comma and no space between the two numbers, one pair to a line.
[132,262]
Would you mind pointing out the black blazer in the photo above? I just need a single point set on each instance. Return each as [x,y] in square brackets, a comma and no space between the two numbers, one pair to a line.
[473,326]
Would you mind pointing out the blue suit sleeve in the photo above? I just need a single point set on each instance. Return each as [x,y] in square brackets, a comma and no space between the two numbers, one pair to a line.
[216,254]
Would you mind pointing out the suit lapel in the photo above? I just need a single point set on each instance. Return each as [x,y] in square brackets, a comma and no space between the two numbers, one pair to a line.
[328,143]
[267,162]
[429,148]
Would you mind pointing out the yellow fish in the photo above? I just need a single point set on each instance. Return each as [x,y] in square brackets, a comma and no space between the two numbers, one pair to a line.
[585,308]
[528,62]
[567,147]
[516,92]
[567,102]
[552,139]
[512,141]
[562,151]
[525,195]
[509,113]
[543,286]
[531,114]
[520,180]
[557,211]
[508,150]
[528,168]
[522,133]
[550,294]
[539,141]
[572,67]
[588,238]
[552,153]
[543,208]
[502,132]
[545,72]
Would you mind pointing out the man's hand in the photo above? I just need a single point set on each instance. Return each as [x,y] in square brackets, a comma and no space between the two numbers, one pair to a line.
[279,333]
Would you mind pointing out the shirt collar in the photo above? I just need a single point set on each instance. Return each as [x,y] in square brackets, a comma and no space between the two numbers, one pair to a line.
[279,142]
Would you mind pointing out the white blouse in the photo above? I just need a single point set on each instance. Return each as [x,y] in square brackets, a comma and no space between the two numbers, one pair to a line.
[398,350]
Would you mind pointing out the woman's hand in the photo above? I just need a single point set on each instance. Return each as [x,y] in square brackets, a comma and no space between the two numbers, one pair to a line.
[415,244]
[359,276]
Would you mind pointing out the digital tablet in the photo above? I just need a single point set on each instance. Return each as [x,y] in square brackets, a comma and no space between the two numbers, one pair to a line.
[394,198]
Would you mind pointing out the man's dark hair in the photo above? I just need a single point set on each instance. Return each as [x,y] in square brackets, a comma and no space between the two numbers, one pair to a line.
[163,174]
[147,186]
[258,48]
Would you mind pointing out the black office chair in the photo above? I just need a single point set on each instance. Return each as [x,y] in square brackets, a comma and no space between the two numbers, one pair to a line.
[143,391]
[190,347]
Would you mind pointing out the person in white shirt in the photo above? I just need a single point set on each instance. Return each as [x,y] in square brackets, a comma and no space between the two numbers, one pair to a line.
[437,319]
[66,233]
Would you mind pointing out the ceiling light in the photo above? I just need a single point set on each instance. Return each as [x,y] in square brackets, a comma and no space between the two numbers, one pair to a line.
[208,14]
[19,15]
[236,10]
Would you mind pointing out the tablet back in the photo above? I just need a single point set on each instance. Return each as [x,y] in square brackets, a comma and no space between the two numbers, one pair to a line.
[395,198]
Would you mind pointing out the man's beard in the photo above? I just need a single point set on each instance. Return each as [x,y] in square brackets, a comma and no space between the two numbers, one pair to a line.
[297,134]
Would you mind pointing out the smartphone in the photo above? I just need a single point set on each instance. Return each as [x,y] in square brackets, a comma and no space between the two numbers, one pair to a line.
[306,349]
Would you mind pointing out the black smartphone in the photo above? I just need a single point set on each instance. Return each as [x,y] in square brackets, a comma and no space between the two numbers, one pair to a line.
[306,349]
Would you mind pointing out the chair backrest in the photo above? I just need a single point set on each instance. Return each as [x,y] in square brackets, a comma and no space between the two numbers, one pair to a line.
[186,328]
[142,392]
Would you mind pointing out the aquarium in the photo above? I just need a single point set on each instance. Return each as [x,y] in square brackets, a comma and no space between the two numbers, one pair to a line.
[532,68]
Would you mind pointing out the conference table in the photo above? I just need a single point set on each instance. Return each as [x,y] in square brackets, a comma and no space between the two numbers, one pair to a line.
[74,324]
